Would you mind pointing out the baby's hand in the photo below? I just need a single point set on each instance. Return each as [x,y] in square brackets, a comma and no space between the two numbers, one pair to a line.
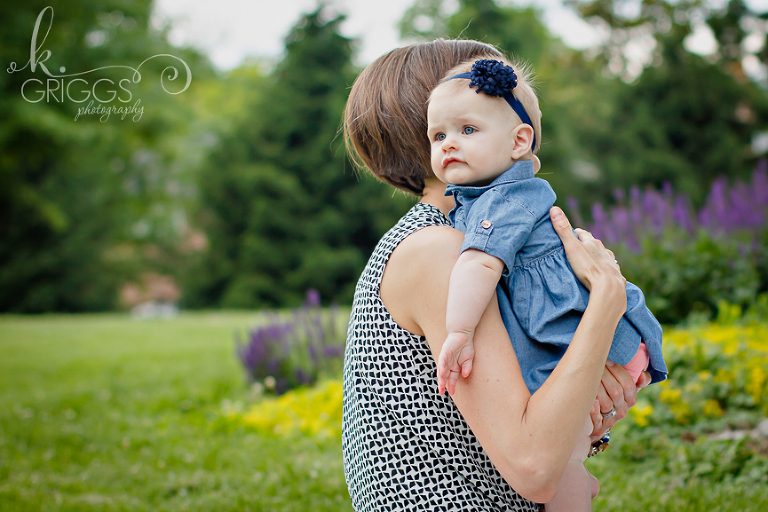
[456,357]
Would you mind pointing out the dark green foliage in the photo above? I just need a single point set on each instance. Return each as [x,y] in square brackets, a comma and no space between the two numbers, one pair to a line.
[79,194]
[518,31]
[86,206]
[681,123]
[282,206]
[691,261]
[680,276]
[685,119]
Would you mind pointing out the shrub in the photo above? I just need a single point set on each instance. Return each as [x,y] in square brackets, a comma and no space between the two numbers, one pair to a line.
[718,373]
[708,420]
[684,260]
[314,412]
[284,354]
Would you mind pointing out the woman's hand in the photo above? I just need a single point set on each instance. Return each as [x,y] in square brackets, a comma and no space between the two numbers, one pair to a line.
[597,269]
[594,265]
[589,259]
[618,392]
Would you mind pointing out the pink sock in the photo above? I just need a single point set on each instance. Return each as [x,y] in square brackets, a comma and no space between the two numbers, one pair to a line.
[639,363]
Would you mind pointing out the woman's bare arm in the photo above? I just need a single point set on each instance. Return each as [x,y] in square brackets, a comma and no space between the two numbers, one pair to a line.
[528,438]
[473,282]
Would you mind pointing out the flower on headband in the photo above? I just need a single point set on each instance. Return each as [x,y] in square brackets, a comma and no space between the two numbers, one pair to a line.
[492,77]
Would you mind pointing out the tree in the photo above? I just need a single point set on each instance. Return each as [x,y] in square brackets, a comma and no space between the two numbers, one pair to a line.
[282,206]
[608,122]
[685,119]
[515,30]
[80,193]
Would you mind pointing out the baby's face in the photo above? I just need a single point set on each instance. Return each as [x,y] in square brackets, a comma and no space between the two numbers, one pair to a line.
[470,135]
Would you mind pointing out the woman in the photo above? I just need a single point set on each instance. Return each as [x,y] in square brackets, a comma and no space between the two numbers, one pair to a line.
[492,445]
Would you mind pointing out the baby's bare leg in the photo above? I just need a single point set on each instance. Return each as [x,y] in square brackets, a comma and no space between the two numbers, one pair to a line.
[577,487]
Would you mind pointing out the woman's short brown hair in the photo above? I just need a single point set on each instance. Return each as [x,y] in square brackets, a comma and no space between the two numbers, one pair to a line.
[385,121]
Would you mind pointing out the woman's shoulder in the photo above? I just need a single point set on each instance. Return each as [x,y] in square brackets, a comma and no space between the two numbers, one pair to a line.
[427,250]
[430,240]
[417,273]
[427,234]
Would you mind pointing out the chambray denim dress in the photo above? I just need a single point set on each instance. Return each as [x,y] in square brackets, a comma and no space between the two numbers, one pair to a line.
[509,219]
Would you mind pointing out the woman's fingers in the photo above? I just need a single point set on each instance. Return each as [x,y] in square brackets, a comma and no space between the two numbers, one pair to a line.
[628,388]
[563,228]
[617,393]
[575,250]
[585,236]
[610,393]
[591,262]
[597,421]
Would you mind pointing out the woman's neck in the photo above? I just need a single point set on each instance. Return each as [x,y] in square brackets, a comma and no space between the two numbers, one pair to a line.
[434,194]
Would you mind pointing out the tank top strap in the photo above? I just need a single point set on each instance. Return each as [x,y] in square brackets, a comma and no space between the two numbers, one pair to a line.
[420,216]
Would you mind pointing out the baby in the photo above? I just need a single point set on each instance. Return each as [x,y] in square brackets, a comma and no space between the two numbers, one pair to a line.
[482,145]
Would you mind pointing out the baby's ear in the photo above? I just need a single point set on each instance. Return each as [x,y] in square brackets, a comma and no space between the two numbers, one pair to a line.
[523,140]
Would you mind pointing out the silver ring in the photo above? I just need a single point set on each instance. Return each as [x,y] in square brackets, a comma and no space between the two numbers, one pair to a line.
[616,261]
[609,414]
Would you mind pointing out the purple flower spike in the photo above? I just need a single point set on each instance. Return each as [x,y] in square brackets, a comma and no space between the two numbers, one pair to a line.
[296,352]
[573,211]
[313,298]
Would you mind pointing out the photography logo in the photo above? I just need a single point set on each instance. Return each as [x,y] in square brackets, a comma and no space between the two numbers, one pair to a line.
[104,96]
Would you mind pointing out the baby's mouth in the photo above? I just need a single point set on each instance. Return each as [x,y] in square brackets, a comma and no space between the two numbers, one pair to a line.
[450,160]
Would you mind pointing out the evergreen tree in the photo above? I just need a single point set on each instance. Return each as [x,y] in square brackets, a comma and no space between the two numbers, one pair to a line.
[282,206]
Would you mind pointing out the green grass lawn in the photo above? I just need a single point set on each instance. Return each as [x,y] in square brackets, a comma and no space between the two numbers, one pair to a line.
[102,412]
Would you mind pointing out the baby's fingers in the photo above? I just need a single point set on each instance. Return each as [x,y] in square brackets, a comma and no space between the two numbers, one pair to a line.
[442,374]
[452,379]
[466,368]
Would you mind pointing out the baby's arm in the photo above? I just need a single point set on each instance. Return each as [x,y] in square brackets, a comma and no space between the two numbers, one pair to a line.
[473,283]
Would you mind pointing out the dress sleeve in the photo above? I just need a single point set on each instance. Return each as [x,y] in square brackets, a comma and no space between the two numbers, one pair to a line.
[498,225]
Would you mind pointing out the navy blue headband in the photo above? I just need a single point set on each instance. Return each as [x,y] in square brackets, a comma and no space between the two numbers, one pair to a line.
[495,78]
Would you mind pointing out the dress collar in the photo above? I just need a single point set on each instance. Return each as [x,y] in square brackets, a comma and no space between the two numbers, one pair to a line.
[520,170]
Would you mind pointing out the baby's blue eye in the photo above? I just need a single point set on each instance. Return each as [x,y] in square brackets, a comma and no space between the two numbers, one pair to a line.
[440,136]
[468,130]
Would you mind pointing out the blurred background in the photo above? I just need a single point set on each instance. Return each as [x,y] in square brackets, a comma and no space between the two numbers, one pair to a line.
[183,161]
[236,192]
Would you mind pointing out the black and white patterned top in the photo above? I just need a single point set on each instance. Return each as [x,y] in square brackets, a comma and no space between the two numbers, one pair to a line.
[406,447]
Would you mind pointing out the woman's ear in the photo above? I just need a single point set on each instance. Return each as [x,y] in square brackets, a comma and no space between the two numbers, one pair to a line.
[522,136]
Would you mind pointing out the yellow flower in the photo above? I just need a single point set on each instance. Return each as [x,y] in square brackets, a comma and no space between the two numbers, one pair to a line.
[310,411]
[755,382]
[682,413]
[670,396]
[724,377]
[712,408]
[641,412]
